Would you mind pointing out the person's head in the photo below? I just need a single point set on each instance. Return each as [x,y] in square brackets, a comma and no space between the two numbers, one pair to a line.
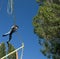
[16,26]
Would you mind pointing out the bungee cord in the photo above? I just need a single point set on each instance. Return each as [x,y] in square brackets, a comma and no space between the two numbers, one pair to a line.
[11,11]
[22,53]
[10,7]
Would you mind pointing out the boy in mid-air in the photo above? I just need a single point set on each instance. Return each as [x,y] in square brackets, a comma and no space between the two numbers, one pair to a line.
[12,30]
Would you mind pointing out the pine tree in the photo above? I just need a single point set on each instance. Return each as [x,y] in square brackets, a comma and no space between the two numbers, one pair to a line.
[47,26]
[2,50]
[10,49]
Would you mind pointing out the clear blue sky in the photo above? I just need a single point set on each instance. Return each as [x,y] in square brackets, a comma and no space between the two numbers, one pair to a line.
[25,10]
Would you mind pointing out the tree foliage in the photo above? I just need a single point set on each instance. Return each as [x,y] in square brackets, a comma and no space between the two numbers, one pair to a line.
[2,50]
[10,49]
[47,26]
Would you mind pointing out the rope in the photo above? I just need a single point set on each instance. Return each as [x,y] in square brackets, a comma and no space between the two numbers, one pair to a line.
[22,53]
[10,10]
[14,18]
[14,51]
[10,7]
[21,40]
[22,48]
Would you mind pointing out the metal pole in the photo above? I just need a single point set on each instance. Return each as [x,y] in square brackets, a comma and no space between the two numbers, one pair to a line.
[13,51]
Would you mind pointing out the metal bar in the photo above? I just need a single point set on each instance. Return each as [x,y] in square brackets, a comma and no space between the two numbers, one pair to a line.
[13,51]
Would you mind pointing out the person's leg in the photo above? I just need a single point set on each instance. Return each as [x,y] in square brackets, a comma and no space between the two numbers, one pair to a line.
[6,34]
[10,36]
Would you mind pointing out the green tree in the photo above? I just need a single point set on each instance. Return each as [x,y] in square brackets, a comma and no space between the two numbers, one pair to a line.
[47,26]
[56,1]
[10,49]
[2,50]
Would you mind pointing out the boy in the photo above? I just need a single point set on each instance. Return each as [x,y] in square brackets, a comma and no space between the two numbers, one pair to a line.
[12,30]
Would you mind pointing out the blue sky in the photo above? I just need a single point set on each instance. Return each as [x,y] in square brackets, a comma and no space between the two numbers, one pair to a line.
[25,10]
